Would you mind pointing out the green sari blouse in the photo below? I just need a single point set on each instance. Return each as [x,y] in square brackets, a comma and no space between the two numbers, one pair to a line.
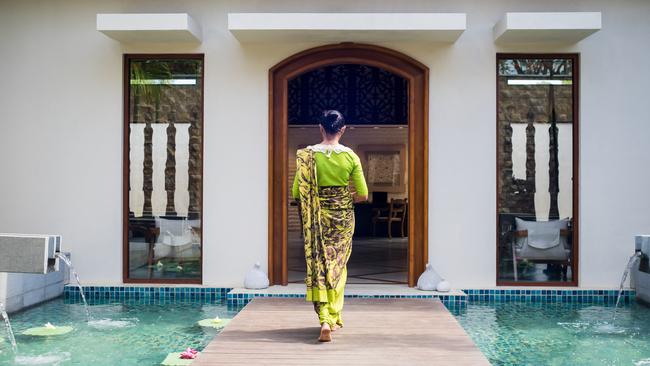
[336,166]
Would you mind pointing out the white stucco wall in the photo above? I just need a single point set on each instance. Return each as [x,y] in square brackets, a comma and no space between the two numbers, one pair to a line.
[61,132]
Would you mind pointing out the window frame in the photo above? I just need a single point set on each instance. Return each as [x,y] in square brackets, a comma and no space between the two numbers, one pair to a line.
[127,58]
[575,58]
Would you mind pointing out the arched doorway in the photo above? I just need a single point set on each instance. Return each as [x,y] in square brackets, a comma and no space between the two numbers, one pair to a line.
[417,76]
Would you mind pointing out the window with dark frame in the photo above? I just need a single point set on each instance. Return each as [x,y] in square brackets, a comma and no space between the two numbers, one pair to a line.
[537,165]
[163,168]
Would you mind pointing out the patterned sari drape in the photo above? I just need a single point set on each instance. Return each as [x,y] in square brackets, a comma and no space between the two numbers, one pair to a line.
[328,225]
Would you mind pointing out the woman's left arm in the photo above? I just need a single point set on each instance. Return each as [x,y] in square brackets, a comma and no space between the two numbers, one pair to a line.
[295,194]
[359,181]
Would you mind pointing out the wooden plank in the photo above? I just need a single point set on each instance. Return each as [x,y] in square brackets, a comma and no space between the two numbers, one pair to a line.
[284,331]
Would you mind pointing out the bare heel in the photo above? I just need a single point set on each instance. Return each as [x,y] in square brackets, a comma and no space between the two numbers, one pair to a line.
[325,334]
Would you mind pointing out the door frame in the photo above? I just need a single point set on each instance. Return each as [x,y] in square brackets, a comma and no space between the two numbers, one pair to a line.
[398,63]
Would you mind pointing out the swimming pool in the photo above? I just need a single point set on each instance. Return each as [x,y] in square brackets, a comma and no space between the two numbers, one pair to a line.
[143,331]
[122,333]
[559,333]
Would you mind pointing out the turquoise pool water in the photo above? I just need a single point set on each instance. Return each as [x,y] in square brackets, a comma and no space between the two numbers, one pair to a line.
[559,333]
[126,333]
[131,332]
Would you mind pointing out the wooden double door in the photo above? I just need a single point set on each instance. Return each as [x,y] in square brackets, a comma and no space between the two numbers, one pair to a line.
[417,76]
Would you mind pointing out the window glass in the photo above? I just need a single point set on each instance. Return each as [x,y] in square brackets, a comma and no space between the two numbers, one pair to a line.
[535,142]
[164,173]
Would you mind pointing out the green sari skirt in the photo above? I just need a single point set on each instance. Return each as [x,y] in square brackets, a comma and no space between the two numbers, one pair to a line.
[328,224]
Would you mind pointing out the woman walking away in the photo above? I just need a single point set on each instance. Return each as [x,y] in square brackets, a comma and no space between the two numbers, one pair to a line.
[321,183]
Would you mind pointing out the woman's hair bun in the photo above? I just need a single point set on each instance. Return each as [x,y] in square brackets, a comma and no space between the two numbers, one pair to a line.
[332,121]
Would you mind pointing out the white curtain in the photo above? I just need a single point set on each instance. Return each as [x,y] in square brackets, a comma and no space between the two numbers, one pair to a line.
[159,156]
[182,193]
[136,163]
[519,150]
[565,157]
[542,157]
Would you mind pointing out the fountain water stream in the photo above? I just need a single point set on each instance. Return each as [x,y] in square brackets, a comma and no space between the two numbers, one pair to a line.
[67,261]
[10,332]
[102,324]
[628,267]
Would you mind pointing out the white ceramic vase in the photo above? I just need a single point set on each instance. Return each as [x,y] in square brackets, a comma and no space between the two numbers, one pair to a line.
[429,279]
[256,278]
[443,286]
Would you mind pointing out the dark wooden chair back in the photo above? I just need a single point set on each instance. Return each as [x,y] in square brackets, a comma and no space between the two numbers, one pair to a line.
[397,208]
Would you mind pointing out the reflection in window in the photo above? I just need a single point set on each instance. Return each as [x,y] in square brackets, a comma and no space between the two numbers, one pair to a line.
[535,169]
[165,108]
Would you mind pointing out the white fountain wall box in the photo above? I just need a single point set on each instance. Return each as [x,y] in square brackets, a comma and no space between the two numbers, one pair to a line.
[26,253]
[30,273]
[640,280]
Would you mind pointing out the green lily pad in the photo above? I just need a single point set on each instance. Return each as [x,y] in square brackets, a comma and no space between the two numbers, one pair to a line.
[211,323]
[172,268]
[47,331]
[174,359]
[188,267]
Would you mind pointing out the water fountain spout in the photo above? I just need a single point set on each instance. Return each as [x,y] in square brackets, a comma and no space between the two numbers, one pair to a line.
[628,267]
[10,332]
[67,261]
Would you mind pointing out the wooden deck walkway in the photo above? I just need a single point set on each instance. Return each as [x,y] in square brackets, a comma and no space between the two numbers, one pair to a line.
[284,331]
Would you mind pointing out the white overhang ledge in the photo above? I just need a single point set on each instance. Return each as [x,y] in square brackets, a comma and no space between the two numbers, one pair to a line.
[568,27]
[342,27]
[169,27]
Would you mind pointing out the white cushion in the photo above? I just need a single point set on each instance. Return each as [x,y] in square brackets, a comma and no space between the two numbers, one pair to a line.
[175,232]
[543,241]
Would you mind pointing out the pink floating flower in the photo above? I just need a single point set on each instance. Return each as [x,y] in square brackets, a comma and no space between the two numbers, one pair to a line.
[189,354]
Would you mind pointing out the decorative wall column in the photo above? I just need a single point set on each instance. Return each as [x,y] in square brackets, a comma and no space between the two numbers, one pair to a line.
[531,166]
[553,171]
[147,169]
[194,164]
[170,166]
[507,180]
